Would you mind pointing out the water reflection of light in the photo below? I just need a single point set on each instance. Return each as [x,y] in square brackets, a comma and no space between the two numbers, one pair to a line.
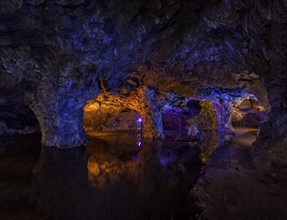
[136,156]
[164,161]
[94,169]
[117,159]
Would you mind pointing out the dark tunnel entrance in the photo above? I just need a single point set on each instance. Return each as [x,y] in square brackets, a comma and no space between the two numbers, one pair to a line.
[15,117]
[179,117]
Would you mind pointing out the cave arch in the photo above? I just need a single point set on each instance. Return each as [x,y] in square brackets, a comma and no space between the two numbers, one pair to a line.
[248,113]
[16,118]
[178,116]
[143,102]
[109,119]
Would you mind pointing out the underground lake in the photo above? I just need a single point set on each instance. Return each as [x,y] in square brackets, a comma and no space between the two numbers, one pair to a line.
[143,109]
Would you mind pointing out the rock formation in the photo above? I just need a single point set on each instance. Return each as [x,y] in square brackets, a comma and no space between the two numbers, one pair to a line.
[62,54]
[148,102]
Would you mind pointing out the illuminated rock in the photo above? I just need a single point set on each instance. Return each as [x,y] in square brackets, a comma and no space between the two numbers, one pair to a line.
[192,130]
[73,50]
[145,102]
[207,118]
[223,111]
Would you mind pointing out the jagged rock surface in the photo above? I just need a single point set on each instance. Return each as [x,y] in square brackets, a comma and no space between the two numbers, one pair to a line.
[206,119]
[148,102]
[55,52]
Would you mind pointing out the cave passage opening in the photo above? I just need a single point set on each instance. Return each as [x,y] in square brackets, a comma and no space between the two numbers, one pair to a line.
[178,117]
[107,117]
[16,118]
[248,113]
[110,120]
[221,110]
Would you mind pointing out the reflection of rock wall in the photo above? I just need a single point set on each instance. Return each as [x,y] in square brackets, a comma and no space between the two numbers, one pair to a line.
[206,119]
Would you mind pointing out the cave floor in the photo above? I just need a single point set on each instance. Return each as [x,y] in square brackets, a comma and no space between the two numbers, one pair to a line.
[231,188]
[115,178]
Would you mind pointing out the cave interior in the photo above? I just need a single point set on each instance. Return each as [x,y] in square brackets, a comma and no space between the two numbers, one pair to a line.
[143,109]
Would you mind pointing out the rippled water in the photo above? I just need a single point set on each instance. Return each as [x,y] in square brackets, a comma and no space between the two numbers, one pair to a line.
[113,177]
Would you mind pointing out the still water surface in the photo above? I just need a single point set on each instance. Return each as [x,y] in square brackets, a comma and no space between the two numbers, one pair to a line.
[111,178]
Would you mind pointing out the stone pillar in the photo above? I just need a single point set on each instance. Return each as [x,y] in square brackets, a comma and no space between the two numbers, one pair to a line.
[60,119]
[223,110]
[151,111]
[152,124]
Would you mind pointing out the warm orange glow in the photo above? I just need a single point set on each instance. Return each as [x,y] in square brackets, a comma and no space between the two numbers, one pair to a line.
[109,108]
[260,108]
[93,169]
[92,106]
[237,114]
